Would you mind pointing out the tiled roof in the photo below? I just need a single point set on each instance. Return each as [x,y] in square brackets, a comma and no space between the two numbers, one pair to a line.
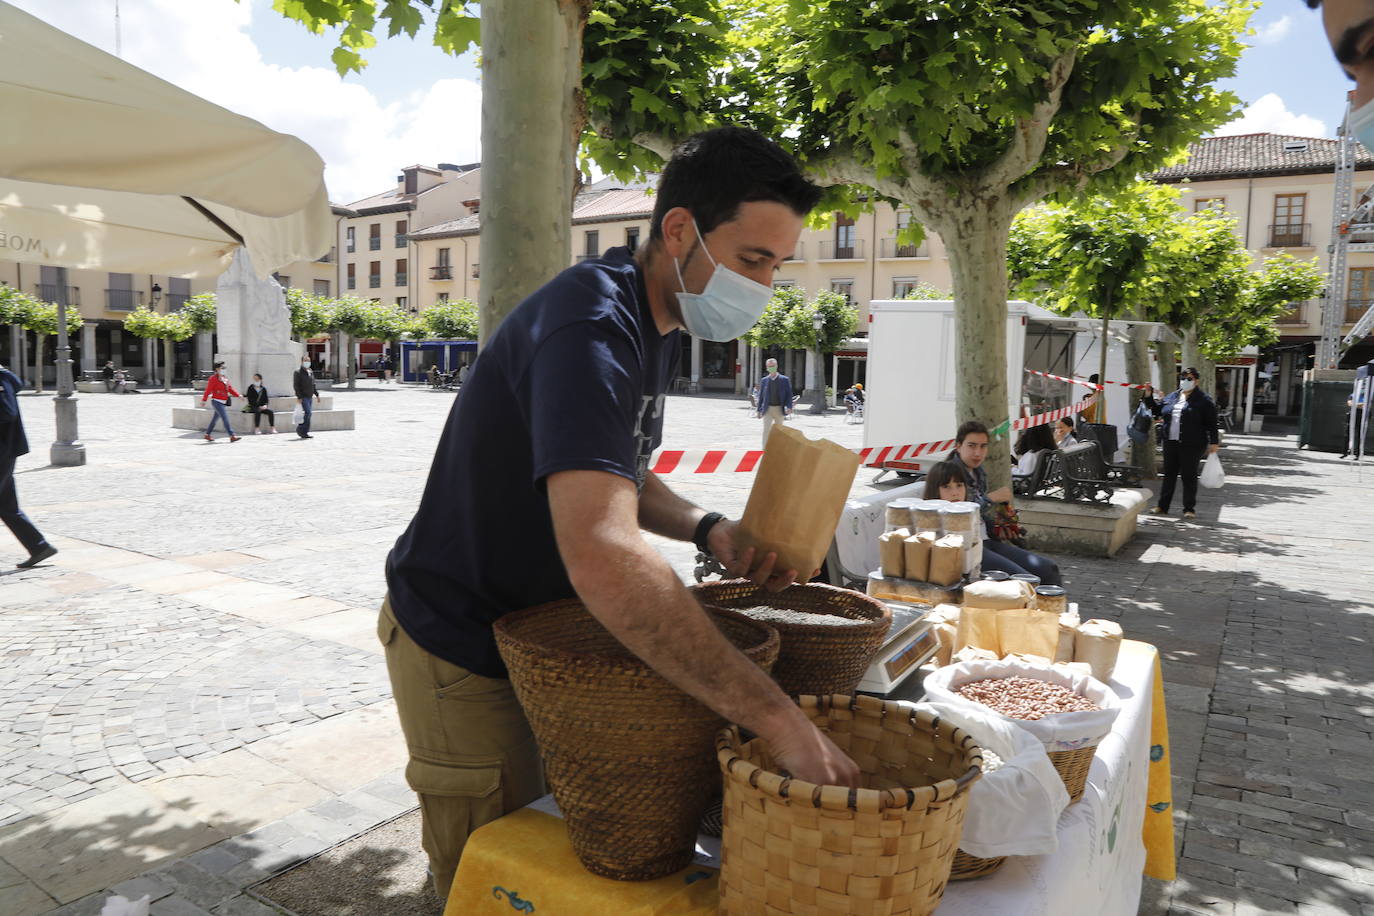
[1258,154]
[389,198]
[463,225]
[591,207]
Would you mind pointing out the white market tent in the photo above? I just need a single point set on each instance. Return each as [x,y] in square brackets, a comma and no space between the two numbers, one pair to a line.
[104,166]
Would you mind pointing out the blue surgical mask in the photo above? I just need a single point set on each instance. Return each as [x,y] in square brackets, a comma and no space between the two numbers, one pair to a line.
[1361,124]
[730,304]
[1186,385]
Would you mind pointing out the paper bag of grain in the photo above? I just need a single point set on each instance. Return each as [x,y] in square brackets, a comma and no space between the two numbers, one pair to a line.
[995,595]
[1068,630]
[797,499]
[944,622]
[916,552]
[1098,642]
[947,560]
[1028,631]
[1029,659]
[974,654]
[890,552]
[978,628]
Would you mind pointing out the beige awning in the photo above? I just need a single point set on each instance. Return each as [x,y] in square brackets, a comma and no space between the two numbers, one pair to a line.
[105,166]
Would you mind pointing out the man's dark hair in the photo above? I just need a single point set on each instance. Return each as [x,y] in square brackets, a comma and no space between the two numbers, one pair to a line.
[713,172]
[1094,378]
[969,427]
[1192,373]
[1313,4]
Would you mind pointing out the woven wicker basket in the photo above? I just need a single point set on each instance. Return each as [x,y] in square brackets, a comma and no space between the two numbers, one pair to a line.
[967,867]
[1073,768]
[627,754]
[791,847]
[814,659]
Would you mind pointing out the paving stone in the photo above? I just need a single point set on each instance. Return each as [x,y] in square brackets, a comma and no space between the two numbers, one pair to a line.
[147,885]
[245,906]
[176,906]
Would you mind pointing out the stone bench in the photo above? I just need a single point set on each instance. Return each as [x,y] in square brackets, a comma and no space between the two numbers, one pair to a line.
[287,403]
[1085,529]
[324,419]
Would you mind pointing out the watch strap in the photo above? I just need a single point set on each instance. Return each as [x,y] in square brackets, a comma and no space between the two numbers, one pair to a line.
[708,521]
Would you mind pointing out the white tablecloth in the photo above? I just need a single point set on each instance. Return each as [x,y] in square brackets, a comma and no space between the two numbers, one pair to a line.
[1097,869]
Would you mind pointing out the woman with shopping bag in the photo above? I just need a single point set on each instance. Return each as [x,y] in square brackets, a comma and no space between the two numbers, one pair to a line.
[1187,431]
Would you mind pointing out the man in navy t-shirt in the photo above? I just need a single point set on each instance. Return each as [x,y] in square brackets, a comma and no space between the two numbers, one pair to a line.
[540,488]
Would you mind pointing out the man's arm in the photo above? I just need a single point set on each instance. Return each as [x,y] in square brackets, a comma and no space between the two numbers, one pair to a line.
[628,587]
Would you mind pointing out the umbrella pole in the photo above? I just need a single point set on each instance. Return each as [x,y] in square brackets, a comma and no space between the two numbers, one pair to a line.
[67,451]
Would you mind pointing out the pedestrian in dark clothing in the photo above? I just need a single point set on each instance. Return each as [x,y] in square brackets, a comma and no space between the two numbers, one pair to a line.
[1187,431]
[13,443]
[304,383]
[107,373]
[258,401]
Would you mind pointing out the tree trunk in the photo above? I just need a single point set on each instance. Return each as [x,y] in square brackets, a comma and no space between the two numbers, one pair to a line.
[1192,356]
[1138,372]
[167,364]
[976,241]
[531,72]
[349,364]
[1100,415]
[1166,355]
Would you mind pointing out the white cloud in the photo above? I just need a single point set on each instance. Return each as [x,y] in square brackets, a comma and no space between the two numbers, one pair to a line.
[1269,114]
[1274,32]
[204,47]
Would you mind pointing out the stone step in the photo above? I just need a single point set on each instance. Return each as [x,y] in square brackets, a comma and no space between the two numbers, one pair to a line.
[321,421]
[287,403]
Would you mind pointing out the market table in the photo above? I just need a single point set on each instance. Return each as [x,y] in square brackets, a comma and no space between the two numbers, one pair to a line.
[1121,828]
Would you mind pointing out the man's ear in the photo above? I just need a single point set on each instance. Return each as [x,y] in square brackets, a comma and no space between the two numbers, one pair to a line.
[678,234]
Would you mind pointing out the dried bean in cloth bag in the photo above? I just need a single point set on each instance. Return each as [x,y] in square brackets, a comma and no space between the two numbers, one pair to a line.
[916,550]
[1014,809]
[1065,731]
[797,499]
[1098,642]
[891,552]
[947,560]
[1028,631]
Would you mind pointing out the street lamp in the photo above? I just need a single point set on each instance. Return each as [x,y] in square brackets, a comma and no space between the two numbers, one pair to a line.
[67,450]
[818,395]
[157,295]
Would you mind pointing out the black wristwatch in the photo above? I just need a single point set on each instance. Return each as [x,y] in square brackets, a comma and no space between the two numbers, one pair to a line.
[708,521]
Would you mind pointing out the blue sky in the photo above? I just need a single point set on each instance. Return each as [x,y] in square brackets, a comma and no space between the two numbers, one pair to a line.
[413,103]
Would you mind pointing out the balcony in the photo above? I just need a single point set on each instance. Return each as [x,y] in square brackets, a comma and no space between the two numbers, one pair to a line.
[476,270]
[403,279]
[123,300]
[850,251]
[798,253]
[890,249]
[400,240]
[176,301]
[441,272]
[350,248]
[352,283]
[1355,309]
[328,257]
[1292,235]
[1294,315]
[47,292]
[374,281]
[374,243]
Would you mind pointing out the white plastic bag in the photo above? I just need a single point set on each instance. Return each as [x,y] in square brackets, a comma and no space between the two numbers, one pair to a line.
[1065,731]
[120,906]
[1212,476]
[1014,810]
[298,415]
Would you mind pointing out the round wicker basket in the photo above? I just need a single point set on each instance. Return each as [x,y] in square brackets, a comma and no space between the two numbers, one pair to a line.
[814,658]
[627,754]
[793,847]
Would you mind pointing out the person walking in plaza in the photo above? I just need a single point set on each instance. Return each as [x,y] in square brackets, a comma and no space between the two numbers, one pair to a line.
[13,443]
[107,373]
[218,392]
[541,486]
[1187,432]
[775,398]
[972,441]
[307,396]
[258,402]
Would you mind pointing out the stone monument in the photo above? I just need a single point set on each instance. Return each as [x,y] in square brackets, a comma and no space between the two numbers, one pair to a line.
[253,326]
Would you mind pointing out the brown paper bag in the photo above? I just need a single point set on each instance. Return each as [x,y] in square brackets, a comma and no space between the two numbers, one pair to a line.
[916,550]
[1068,629]
[890,552]
[947,560]
[1027,631]
[797,499]
[978,628]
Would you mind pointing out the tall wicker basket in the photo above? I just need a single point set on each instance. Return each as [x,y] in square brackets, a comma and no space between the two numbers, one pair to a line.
[627,754]
[814,658]
[886,848]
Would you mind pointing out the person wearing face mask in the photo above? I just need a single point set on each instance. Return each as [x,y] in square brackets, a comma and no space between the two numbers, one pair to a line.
[218,391]
[258,401]
[541,487]
[1063,433]
[1187,432]
[775,398]
[307,395]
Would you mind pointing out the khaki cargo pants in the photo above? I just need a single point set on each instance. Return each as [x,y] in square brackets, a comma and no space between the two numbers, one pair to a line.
[472,755]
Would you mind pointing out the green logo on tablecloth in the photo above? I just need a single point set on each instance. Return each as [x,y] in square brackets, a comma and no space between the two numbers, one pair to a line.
[1156,753]
[523,906]
[1159,807]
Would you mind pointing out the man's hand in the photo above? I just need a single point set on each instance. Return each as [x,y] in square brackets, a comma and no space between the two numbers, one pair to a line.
[806,753]
[741,564]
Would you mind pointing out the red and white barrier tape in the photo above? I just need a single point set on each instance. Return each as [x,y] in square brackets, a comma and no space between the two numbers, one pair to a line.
[1086,384]
[724,461]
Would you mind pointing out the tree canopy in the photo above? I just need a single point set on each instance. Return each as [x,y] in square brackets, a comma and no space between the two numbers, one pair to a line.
[788,321]
[201,312]
[455,319]
[145,323]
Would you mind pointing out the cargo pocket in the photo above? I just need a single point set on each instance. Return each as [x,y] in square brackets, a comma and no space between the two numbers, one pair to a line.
[454,801]
[386,627]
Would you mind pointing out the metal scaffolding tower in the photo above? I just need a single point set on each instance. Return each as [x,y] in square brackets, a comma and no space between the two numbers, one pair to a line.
[1351,220]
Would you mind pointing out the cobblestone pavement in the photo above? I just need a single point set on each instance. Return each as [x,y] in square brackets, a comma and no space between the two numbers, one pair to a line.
[192,698]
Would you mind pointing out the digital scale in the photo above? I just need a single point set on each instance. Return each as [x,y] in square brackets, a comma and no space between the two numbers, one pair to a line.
[910,644]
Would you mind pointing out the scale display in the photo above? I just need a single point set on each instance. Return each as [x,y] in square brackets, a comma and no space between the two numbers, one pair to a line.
[912,654]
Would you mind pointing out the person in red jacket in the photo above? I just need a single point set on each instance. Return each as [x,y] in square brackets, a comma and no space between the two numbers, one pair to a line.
[217,392]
